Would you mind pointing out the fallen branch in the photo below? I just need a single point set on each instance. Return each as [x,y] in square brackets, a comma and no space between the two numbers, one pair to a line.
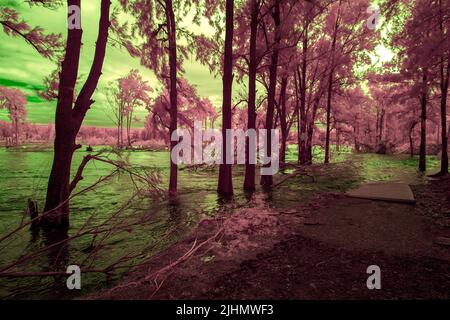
[153,277]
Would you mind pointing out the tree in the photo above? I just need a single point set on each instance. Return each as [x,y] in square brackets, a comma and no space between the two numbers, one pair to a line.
[156,26]
[330,82]
[15,102]
[249,180]
[225,183]
[131,92]
[266,180]
[70,114]
[191,108]
[444,72]
[47,45]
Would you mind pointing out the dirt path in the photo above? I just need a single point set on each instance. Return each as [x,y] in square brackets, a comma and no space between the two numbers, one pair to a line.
[305,253]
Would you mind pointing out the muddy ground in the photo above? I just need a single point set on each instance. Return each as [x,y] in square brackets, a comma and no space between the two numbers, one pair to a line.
[320,249]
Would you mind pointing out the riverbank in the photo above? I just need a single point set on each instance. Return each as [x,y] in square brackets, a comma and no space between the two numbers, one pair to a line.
[319,248]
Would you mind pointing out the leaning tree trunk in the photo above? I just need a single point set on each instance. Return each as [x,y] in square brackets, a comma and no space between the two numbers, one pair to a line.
[170,17]
[266,180]
[225,183]
[249,181]
[423,125]
[68,120]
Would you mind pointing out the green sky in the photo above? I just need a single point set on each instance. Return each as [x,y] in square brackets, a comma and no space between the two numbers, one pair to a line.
[23,68]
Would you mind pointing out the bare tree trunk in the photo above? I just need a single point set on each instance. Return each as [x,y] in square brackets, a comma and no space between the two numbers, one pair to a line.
[225,183]
[411,144]
[16,130]
[170,17]
[118,132]
[445,75]
[310,132]
[327,138]
[330,88]
[338,140]
[377,131]
[249,181]
[302,77]
[283,121]
[297,114]
[329,97]
[266,180]
[423,124]
[68,120]
[383,113]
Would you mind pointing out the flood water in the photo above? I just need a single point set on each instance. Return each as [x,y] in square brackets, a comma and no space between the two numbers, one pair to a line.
[24,175]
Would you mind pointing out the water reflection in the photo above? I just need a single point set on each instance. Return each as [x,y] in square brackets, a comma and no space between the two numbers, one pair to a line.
[197,200]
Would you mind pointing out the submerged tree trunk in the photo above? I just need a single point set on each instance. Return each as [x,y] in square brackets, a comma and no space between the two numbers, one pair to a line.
[266,180]
[249,181]
[423,124]
[68,120]
[225,184]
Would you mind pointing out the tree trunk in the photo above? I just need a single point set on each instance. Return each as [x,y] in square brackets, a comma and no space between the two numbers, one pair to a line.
[310,132]
[327,138]
[297,114]
[118,133]
[444,83]
[338,140]
[423,124]
[283,121]
[128,128]
[383,114]
[225,183]
[377,131]
[329,97]
[170,17]
[411,144]
[249,181]
[16,130]
[68,120]
[266,180]
[444,137]
[330,88]
[303,149]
